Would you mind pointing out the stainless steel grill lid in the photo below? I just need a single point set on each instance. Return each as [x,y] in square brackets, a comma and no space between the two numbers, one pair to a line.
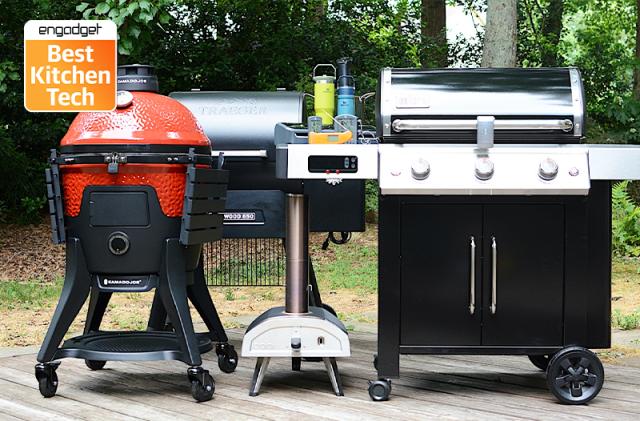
[442,105]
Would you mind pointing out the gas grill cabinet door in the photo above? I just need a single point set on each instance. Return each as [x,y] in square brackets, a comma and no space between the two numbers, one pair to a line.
[436,274]
[529,275]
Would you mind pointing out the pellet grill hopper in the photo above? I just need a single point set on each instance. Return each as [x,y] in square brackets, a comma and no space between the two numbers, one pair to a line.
[133,194]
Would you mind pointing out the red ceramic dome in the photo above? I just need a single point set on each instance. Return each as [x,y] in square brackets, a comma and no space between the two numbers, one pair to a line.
[150,119]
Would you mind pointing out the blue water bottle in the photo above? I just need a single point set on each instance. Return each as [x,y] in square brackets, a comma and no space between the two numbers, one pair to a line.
[346,88]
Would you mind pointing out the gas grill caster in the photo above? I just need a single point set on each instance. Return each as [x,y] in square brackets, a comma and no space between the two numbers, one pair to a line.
[575,375]
[227,357]
[540,361]
[95,364]
[380,390]
[202,384]
[47,379]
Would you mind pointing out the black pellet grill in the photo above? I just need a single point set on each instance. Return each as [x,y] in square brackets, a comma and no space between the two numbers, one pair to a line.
[492,237]
[241,126]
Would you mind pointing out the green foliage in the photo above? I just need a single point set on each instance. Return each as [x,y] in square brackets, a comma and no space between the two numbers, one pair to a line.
[133,18]
[625,321]
[625,222]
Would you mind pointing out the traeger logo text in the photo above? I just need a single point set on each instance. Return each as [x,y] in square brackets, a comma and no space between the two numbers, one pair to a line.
[78,29]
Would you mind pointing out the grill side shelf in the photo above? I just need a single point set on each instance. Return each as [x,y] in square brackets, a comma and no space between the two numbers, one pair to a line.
[54,198]
[204,200]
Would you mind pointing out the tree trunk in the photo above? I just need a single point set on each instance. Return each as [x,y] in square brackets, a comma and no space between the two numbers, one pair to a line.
[551,29]
[636,69]
[433,26]
[500,37]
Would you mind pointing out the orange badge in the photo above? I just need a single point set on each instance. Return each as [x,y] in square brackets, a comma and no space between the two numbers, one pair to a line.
[70,65]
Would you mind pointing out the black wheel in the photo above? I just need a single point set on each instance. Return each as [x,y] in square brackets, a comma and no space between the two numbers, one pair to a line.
[227,358]
[95,364]
[575,375]
[296,363]
[202,390]
[375,361]
[540,361]
[380,390]
[48,384]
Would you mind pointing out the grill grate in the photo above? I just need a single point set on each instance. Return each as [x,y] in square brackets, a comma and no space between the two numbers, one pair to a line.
[245,262]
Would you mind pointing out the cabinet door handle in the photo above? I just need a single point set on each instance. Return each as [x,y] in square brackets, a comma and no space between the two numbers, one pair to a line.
[472,276]
[494,275]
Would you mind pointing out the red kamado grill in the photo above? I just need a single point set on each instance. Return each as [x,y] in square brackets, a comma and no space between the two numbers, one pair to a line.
[133,194]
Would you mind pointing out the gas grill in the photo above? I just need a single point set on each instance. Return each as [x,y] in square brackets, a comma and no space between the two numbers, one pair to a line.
[494,233]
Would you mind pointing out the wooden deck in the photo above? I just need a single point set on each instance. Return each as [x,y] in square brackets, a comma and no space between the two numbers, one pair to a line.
[442,387]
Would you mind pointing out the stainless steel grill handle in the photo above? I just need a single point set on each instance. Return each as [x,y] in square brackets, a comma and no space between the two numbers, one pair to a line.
[494,274]
[565,125]
[258,153]
[472,277]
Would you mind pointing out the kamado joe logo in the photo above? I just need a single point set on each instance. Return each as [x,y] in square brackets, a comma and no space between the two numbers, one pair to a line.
[70,65]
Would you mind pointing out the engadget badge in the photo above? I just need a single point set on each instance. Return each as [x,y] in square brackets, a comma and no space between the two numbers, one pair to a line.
[70,65]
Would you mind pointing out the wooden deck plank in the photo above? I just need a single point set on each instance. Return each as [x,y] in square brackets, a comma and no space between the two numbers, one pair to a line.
[430,387]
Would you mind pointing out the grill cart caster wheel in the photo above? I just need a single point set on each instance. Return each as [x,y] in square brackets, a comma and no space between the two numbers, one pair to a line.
[47,379]
[202,384]
[380,390]
[540,361]
[227,358]
[375,361]
[95,364]
[575,375]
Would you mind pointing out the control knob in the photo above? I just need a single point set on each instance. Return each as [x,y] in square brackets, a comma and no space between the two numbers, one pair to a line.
[548,169]
[484,168]
[420,169]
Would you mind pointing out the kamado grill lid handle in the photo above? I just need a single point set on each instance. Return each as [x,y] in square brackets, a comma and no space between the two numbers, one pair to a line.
[137,77]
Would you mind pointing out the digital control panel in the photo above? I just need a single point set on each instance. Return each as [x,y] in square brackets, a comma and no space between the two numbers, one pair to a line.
[327,162]
[333,164]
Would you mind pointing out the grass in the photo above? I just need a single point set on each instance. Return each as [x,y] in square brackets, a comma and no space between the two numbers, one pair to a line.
[31,295]
[352,267]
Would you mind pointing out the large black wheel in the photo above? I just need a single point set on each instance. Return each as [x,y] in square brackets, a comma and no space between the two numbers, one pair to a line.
[203,388]
[227,358]
[380,390]
[540,361]
[95,364]
[575,375]
[47,380]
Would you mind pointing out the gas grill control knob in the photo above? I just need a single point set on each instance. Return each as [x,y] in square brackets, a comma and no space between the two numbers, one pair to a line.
[484,168]
[420,169]
[548,169]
